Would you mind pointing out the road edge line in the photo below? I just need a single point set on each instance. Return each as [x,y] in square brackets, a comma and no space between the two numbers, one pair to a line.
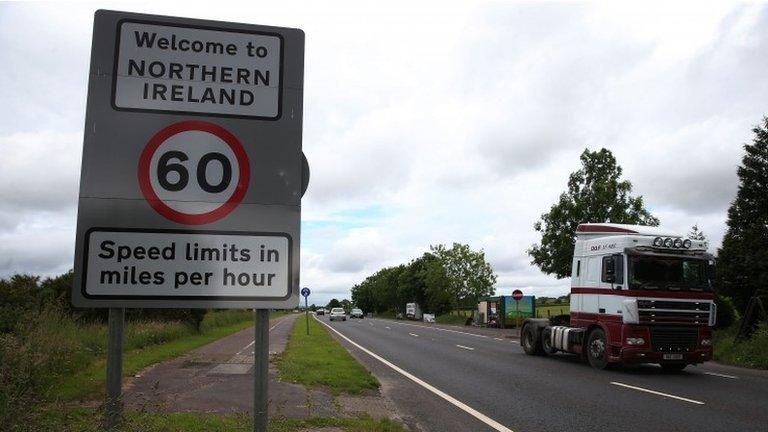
[457,403]
[658,393]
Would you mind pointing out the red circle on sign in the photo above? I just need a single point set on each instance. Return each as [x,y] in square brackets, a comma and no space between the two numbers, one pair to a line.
[186,218]
[517,295]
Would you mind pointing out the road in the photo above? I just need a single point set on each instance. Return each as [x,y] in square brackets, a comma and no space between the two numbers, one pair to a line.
[478,382]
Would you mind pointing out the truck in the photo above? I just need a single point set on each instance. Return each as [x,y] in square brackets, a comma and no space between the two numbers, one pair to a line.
[413,311]
[639,294]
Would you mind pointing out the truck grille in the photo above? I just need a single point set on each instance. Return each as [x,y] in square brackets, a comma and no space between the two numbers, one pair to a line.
[674,339]
[667,304]
[673,312]
[659,317]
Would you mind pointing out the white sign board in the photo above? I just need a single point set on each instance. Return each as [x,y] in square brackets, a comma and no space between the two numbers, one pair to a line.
[197,70]
[192,264]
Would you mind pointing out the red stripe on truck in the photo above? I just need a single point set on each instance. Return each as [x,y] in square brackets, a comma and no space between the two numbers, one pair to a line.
[645,293]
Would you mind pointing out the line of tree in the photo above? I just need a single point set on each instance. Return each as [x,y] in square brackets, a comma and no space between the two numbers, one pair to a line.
[440,280]
[21,295]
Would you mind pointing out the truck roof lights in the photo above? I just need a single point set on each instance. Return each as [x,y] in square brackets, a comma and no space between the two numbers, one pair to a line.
[687,243]
[658,242]
[668,242]
[678,243]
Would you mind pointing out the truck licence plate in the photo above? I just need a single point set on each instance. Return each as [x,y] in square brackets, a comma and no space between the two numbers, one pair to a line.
[673,356]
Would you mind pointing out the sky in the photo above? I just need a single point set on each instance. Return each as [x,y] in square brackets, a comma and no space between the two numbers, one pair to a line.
[427,122]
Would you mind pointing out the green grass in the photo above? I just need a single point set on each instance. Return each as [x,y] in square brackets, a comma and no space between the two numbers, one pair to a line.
[89,383]
[53,358]
[64,419]
[553,310]
[318,360]
[751,353]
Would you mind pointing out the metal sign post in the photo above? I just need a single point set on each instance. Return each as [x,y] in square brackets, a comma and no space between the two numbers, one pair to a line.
[192,175]
[261,371]
[517,295]
[114,406]
[305,292]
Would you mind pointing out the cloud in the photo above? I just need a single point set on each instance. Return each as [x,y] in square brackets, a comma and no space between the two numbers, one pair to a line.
[429,124]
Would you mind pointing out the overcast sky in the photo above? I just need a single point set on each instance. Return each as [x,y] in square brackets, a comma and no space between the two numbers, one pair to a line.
[427,123]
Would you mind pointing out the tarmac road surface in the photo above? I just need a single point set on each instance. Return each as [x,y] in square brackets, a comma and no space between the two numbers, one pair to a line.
[446,378]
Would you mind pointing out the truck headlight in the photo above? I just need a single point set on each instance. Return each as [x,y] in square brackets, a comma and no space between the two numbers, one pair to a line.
[706,342]
[635,341]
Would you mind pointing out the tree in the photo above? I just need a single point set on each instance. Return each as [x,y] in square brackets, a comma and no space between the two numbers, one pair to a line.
[596,193]
[468,275]
[334,303]
[346,304]
[742,265]
[696,234]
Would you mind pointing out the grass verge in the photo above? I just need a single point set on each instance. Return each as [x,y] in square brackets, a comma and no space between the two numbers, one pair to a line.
[318,359]
[88,420]
[751,353]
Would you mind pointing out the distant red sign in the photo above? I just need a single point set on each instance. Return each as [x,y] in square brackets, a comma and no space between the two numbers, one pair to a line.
[517,295]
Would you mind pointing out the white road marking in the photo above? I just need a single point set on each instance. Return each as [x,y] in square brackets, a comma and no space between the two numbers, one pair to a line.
[465,347]
[253,342]
[459,404]
[387,327]
[445,330]
[657,393]
[721,375]
[499,339]
[413,334]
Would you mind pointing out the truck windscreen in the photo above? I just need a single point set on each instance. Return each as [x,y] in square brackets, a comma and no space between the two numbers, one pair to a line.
[668,274]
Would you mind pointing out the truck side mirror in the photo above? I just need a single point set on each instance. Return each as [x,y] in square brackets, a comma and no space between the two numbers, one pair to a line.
[610,278]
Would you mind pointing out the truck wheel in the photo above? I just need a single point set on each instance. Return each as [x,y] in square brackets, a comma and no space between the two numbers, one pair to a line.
[597,349]
[546,343]
[529,338]
[673,366]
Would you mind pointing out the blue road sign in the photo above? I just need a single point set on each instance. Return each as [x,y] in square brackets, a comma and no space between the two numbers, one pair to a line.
[305,292]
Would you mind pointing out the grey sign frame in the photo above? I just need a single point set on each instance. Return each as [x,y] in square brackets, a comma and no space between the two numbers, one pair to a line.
[110,196]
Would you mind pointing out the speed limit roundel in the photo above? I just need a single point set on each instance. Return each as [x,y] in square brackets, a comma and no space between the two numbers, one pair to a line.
[193,172]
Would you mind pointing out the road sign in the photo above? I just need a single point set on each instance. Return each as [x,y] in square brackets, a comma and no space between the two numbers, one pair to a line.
[192,169]
[305,292]
[517,295]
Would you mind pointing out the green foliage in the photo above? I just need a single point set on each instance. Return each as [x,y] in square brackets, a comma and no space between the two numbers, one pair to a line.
[438,281]
[742,265]
[595,194]
[49,352]
[77,419]
[18,297]
[726,311]
[318,359]
[334,303]
[469,276]
[749,353]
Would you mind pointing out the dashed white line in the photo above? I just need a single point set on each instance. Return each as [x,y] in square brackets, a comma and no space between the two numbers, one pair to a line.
[387,327]
[413,334]
[657,393]
[465,347]
[721,375]
[498,339]
[461,405]
[253,342]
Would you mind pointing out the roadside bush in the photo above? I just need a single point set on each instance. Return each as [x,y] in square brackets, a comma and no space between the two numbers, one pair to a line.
[18,297]
[726,312]
[750,352]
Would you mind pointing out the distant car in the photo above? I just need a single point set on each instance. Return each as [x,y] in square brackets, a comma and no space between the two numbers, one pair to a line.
[357,313]
[338,313]
[320,311]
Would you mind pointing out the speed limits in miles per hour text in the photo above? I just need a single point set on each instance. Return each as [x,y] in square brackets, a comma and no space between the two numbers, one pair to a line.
[179,264]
